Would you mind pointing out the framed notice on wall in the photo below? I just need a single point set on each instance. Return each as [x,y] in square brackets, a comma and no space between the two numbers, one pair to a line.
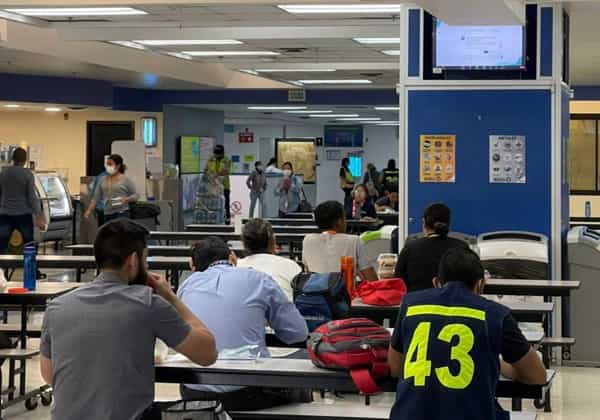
[507,160]
[437,158]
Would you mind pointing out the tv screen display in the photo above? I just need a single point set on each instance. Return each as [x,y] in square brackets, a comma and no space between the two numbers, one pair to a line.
[478,47]
[343,136]
[189,154]
[355,166]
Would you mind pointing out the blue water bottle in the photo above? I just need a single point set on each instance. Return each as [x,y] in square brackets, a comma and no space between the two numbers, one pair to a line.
[29,267]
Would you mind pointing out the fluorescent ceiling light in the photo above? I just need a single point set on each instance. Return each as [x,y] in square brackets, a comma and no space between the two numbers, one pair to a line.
[334,115]
[387,108]
[228,53]
[165,42]
[52,109]
[275,108]
[295,70]
[180,55]
[359,119]
[78,11]
[310,111]
[377,40]
[391,52]
[128,44]
[12,106]
[342,8]
[336,82]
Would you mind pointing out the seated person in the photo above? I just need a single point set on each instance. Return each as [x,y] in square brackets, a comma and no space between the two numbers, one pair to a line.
[235,303]
[361,206]
[420,258]
[259,242]
[323,252]
[447,344]
[389,202]
[97,345]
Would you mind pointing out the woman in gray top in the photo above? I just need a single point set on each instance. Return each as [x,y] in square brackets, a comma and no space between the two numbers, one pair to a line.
[116,189]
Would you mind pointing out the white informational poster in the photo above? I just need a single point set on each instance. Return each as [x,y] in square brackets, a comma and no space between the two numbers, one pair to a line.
[35,155]
[508,160]
[240,197]
[134,156]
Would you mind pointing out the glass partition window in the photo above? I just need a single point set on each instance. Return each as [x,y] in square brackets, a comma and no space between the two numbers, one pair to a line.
[583,155]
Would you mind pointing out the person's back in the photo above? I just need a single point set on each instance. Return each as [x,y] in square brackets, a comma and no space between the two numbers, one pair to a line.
[282,270]
[112,374]
[419,260]
[323,252]
[447,344]
[439,385]
[17,196]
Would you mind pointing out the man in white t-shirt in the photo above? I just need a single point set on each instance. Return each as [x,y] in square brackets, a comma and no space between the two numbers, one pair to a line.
[323,252]
[259,242]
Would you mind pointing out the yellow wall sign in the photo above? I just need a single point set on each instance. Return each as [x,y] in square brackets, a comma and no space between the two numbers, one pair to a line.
[438,158]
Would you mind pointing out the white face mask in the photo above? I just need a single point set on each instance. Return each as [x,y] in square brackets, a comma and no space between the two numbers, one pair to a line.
[111,170]
[287,173]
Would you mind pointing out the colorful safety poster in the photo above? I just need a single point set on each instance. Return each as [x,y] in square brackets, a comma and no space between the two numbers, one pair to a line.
[508,160]
[438,158]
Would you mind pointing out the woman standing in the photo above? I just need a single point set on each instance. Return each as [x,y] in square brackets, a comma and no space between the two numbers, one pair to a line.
[362,207]
[371,181]
[288,190]
[346,181]
[257,184]
[116,189]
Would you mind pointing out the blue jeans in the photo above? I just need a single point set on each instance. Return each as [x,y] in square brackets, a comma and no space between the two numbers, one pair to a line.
[254,196]
[23,223]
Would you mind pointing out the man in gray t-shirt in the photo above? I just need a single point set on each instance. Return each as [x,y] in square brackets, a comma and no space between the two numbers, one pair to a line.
[97,342]
[323,252]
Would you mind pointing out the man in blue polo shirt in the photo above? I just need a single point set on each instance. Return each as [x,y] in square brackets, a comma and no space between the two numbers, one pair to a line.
[450,346]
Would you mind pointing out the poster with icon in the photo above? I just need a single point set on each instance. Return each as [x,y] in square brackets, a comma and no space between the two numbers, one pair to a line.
[508,160]
[438,158]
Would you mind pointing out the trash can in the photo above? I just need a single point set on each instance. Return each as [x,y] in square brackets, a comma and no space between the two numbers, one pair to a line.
[584,266]
[514,255]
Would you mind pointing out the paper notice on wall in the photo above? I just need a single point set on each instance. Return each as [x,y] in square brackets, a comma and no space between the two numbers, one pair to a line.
[437,158]
[508,160]
[35,155]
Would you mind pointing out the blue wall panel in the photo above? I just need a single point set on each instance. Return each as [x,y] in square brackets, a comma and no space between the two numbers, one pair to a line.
[473,116]
[546,41]
[414,43]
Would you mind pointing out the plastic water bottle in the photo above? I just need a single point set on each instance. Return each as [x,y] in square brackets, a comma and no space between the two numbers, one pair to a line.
[588,209]
[29,267]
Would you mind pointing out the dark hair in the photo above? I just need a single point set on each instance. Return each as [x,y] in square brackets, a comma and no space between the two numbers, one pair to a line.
[328,213]
[19,156]
[364,188]
[257,235]
[117,240]
[391,164]
[258,162]
[209,250]
[219,149]
[437,218]
[345,162]
[118,159]
[290,164]
[460,264]
[272,161]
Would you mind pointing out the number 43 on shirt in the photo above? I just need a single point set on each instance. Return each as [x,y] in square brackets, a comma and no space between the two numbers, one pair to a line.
[417,366]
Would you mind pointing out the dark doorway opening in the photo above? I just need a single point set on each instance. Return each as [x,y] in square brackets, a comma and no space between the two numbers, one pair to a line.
[100,136]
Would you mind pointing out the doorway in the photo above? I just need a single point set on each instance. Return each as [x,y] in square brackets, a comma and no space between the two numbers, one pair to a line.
[100,136]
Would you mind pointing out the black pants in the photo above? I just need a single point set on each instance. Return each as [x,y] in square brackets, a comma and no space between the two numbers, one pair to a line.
[227,194]
[115,216]
[347,197]
[250,398]
[23,223]
[100,217]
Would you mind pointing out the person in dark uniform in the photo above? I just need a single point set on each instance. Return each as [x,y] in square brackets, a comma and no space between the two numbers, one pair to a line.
[390,177]
[419,259]
[450,345]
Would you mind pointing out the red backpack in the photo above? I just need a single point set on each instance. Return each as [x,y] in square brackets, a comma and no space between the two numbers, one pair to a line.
[388,292]
[356,344]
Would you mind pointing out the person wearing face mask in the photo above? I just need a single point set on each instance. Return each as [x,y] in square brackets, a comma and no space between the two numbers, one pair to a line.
[97,342]
[361,206]
[257,184]
[288,189]
[218,168]
[116,189]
